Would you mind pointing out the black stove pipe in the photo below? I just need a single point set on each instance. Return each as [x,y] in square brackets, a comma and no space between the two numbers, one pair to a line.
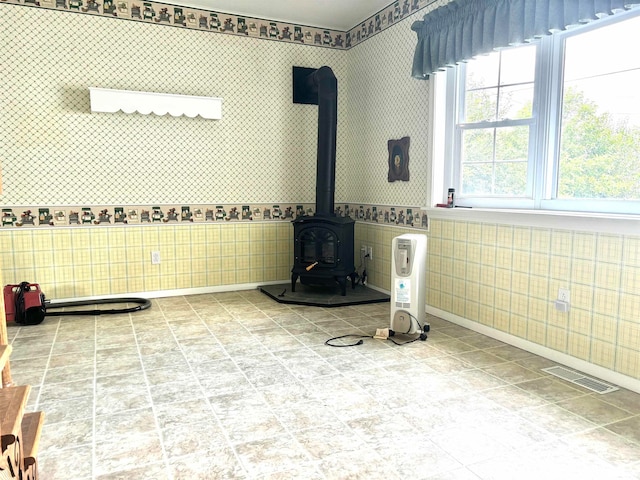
[324,82]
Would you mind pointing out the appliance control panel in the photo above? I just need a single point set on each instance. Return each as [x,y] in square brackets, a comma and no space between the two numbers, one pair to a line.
[403,256]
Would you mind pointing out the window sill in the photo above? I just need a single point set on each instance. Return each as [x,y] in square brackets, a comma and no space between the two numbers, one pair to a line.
[589,222]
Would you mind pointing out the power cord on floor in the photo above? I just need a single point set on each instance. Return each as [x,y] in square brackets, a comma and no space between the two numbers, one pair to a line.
[359,342]
[381,334]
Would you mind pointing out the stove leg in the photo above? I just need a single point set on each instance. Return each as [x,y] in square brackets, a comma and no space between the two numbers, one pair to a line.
[342,281]
[352,276]
[294,279]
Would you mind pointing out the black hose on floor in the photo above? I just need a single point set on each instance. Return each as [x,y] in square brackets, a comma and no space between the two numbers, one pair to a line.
[143,304]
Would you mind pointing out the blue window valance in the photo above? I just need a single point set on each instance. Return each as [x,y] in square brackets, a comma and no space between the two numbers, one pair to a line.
[463,29]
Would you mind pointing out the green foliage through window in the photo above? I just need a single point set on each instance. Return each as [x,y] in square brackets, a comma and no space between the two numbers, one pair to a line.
[554,124]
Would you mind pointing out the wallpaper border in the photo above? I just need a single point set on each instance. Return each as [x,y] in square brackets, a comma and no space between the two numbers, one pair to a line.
[85,216]
[165,14]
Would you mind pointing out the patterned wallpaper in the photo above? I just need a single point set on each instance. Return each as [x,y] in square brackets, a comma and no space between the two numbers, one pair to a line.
[56,153]
[58,157]
[385,102]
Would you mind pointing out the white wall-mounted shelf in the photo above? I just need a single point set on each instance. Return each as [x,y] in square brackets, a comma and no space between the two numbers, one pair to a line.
[128,101]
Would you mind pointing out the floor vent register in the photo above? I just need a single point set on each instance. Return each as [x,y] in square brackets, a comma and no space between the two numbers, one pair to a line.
[580,379]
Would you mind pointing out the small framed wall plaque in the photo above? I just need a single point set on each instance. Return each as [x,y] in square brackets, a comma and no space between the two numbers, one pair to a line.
[399,159]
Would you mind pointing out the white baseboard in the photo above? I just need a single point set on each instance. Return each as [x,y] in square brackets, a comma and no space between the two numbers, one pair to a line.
[597,371]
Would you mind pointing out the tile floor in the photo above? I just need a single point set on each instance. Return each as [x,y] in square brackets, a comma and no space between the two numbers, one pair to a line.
[237,386]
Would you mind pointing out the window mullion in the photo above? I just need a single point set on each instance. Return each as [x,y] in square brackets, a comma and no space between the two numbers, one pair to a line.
[540,133]
[553,115]
[453,147]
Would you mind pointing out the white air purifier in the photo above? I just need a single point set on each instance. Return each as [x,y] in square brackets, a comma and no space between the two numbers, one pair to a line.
[408,283]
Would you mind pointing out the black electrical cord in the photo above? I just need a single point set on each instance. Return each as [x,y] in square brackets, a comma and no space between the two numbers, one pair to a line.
[143,304]
[424,329]
[414,318]
[423,336]
[359,342]
[364,270]
[362,278]
[408,341]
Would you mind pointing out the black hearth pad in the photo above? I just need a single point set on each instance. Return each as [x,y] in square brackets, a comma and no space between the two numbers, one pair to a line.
[318,296]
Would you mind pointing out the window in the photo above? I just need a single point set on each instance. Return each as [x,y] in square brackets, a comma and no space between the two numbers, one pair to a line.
[553,125]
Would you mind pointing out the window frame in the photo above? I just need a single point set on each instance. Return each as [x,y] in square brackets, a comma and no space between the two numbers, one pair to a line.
[544,134]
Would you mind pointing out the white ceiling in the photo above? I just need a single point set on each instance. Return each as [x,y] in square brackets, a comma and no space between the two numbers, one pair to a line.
[339,15]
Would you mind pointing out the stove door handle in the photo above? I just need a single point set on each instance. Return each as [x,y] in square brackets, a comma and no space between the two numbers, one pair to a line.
[311,266]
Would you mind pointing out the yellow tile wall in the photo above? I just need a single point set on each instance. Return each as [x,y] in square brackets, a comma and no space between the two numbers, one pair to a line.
[112,260]
[507,277]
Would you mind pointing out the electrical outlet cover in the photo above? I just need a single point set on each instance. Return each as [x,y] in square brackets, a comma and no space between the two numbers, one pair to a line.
[564,295]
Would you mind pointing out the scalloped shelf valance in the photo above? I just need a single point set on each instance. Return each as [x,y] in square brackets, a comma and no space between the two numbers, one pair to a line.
[109,100]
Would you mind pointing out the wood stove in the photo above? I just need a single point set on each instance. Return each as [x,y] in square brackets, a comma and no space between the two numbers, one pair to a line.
[323,248]
[323,252]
